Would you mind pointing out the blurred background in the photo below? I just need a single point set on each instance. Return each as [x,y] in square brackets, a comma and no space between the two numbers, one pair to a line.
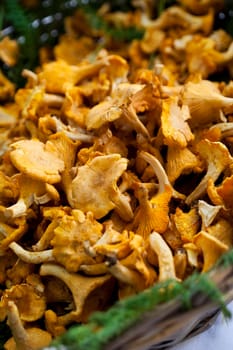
[35,24]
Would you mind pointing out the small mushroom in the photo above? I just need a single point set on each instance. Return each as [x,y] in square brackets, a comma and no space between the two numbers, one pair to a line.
[221,194]
[152,214]
[58,75]
[174,125]
[95,189]
[223,231]
[211,247]
[24,338]
[33,158]
[208,213]
[81,288]
[217,158]
[9,51]
[176,16]
[12,231]
[69,236]
[187,223]
[180,161]
[30,191]
[165,257]
[30,302]
[205,102]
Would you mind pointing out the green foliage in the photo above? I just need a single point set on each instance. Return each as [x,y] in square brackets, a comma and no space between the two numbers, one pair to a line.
[31,38]
[17,17]
[118,33]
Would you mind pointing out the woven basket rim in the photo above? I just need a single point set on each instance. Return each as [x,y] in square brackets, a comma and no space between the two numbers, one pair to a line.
[168,324]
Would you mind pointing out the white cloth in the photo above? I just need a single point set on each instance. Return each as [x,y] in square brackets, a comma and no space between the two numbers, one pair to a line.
[218,337]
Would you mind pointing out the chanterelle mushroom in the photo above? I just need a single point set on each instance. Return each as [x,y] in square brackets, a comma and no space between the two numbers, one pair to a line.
[70,236]
[205,102]
[30,191]
[29,301]
[174,123]
[9,51]
[81,288]
[165,258]
[217,158]
[35,159]
[95,187]
[211,247]
[31,338]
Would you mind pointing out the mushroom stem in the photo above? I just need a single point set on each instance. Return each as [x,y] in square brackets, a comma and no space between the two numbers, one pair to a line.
[53,100]
[19,208]
[131,116]
[19,333]
[225,128]
[158,169]
[30,75]
[125,275]
[165,258]
[32,257]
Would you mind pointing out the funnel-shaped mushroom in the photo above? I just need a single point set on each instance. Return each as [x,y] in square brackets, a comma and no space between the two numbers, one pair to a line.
[152,214]
[30,303]
[223,231]
[174,126]
[217,158]
[180,161]
[69,237]
[211,247]
[31,191]
[221,194]
[59,75]
[81,288]
[207,213]
[187,223]
[32,157]
[165,257]
[12,231]
[95,186]
[205,102]
[24,338]
[176,16]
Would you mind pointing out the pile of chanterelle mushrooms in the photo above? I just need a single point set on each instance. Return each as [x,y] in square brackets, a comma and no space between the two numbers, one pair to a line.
[116,167]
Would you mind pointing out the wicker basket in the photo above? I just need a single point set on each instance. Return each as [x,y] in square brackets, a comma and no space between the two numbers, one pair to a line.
[162,326]
[168,324]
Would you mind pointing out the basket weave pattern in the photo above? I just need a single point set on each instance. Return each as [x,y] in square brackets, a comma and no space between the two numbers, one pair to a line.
[169,324]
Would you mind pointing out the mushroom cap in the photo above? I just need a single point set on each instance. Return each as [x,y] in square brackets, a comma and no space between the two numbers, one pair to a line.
[217,158]
[30,303]
[211,247]
[9,51]
[38,339]
[69,237]
[174,125]
[34,159]
[187,223]
[95,182]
